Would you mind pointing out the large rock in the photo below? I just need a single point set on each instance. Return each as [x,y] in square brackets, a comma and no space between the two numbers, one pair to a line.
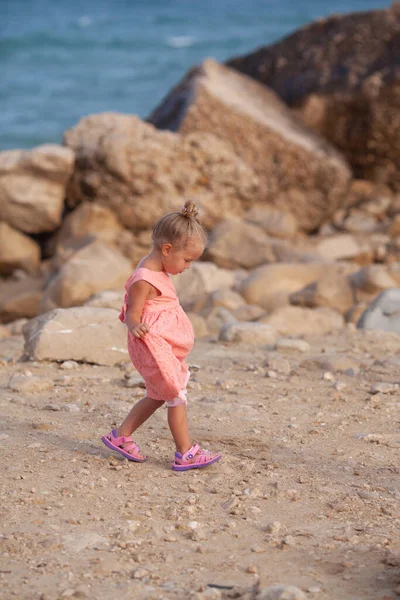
[89,219]
[237,244]
[342,76]
[298,170]
[108,299]
[202,278]
[297,321]
[371,280]
[142,173]
[90,222]
[93,269]
[342,246]
[19,299]
[383,313]
[333,290]
[32,187]
[270,286]
[17,251]
[87,334]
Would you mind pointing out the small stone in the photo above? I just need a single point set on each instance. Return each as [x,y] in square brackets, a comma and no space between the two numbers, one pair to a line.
[289,540]
[69,364]
[139,573]
[258,550]
[273,528]
[384,388]
[281,592]
[271,374]
[53,407]
[328,376]
[134,382]
[252,569]
[314,589]
[73,408]
[133,526]
[296,345]
[198,535]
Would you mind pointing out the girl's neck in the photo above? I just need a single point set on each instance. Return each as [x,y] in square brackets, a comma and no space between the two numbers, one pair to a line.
[152,261]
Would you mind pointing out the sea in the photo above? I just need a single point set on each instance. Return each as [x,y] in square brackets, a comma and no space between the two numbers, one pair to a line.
[61,60]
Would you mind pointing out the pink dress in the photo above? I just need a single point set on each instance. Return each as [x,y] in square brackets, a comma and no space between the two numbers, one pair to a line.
[160,355]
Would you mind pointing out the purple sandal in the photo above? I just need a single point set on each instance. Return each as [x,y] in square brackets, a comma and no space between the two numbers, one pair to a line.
[124,445]
[194,458]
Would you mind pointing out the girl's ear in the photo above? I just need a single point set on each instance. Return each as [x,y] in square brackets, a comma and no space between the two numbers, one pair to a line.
[166,249]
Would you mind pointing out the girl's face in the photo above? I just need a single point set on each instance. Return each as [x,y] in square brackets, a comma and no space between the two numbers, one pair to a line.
[176,260]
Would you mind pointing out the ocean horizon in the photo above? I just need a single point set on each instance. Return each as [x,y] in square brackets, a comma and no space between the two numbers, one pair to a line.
[61,62]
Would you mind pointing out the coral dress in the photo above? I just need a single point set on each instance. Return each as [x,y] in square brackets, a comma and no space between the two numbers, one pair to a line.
[159,355]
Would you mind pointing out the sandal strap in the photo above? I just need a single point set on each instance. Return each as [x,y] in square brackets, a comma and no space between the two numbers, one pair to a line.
[191,453]
[126,443]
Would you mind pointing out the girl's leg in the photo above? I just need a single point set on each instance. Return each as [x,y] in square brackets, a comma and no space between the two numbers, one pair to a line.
[178,424]
[138,415]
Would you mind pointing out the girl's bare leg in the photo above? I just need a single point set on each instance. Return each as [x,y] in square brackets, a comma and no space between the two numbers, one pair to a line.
[138,415]
[178,424]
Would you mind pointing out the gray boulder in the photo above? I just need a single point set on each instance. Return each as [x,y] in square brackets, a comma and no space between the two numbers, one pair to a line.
[383,313]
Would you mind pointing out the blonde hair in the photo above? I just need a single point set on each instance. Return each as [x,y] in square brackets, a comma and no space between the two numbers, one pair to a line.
[177,228]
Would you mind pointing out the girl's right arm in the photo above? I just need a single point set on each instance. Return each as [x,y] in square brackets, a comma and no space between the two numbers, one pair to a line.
[137,296]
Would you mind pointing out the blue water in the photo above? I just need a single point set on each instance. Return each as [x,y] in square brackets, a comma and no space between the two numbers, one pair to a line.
[62,60]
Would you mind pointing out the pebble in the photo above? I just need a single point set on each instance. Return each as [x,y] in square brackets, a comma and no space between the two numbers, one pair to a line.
[134,382]
[289,344]
[252,569]
[73,408]
[69,364]
[328,376]
[210,594]
[258,550]
[281,592]
[140,573]
[53,407]
[384,388]
[274,527]
[198,535]
[289,540]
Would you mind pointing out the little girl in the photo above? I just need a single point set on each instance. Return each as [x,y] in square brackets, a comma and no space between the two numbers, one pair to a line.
[160,336]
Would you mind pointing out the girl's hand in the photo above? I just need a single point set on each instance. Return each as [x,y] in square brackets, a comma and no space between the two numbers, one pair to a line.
[139,330]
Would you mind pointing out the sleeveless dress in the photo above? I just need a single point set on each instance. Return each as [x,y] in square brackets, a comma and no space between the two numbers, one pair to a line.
[160,355]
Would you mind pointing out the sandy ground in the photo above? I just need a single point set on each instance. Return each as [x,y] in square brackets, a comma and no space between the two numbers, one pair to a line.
[307,493]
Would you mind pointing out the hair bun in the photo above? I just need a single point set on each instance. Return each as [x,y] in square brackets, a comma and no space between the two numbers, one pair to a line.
[189,210]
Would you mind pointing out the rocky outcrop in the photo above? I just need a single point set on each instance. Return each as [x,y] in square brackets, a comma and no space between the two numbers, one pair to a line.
[341,75]
[298,170]
[141,173]
[32,187]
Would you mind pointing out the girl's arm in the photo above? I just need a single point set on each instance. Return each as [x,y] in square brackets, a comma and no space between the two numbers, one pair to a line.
[137,296]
